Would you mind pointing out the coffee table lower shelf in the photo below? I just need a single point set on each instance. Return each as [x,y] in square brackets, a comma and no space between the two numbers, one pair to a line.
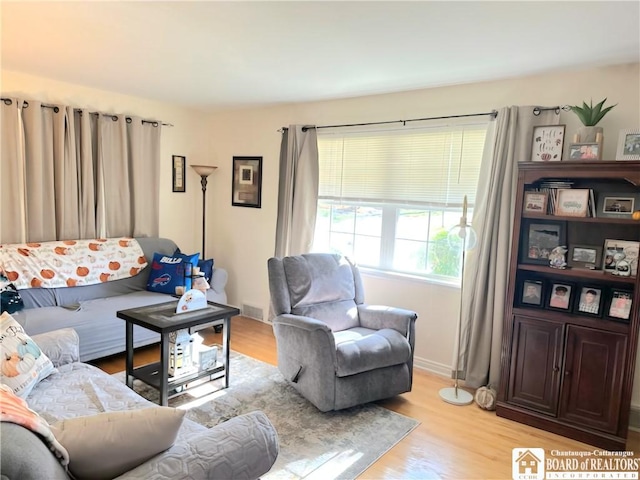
[150,374]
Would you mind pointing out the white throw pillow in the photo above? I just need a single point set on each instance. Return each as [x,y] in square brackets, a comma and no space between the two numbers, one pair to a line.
[109,444]
[22,363]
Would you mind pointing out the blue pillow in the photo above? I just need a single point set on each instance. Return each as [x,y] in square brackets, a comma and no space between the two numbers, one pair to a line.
[192,259]
[206,267]
[168,272]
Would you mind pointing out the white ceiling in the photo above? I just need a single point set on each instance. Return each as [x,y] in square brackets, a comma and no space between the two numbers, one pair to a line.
[219,55]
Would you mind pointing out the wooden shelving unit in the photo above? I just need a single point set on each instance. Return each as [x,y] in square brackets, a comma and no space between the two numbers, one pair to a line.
[569,372]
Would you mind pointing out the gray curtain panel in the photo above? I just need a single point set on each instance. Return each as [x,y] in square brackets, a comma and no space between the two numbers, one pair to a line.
[12,207]
[69,174]
[509,140]
[298,191]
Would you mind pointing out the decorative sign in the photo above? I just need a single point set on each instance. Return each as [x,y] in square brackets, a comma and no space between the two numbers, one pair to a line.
[191,300]
[547,143]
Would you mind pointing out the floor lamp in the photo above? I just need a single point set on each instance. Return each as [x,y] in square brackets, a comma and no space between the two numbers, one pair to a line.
[204,171]
[465,234]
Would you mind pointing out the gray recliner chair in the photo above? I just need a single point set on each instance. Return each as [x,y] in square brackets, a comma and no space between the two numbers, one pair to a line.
[334,349]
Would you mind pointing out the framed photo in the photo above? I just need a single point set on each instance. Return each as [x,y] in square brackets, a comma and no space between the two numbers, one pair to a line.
[585,151]
[620,304]
[621,257]
[572,202]
[531,293]
[540,238]
[548,142]
[178,164]
[585,256]
[246,185]
[628,145]
[535,202]
[589,301]
[560,296]
[619,205]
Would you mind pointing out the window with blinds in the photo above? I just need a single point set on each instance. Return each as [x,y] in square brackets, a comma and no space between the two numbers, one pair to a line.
[388,197]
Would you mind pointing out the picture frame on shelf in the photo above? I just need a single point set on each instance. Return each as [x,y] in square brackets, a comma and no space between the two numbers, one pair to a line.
[540,238]
[588,301]
[178,166]
[585,256]
[628,144]
[572,202]
[548,143]
[535,202]
[619,305]
[585,151]
[246,189]
[560,295]
[620,257]
[531,293]
[616,204]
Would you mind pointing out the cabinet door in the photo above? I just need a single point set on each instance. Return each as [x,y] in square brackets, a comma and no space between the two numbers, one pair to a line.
[536,355]
[593,375]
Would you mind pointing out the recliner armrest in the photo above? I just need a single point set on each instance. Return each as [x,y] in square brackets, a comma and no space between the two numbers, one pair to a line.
[300,321]
[62,346]
[377,317]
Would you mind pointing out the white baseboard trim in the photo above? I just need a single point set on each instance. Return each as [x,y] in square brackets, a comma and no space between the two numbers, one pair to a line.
[445,371]
[432,367]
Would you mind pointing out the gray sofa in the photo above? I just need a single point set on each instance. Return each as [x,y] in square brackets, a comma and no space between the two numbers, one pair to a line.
[91,310]
[244,447]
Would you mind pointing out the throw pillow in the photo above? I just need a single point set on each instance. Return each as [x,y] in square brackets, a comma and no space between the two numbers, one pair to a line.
[205,266]
[22,363]
[10,299]
[109,444]
[168,272]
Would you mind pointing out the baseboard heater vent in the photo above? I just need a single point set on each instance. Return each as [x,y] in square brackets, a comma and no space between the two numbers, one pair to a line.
[252,311]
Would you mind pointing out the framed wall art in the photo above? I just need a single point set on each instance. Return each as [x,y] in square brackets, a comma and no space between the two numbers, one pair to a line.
[178,177]
[246,189]
[540,237]
[629,145]
[548,143]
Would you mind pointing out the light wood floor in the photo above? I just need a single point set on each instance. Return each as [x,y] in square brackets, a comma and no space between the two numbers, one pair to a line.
[451,442]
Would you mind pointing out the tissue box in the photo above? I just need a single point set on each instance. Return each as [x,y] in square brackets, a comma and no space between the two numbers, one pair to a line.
[207,357]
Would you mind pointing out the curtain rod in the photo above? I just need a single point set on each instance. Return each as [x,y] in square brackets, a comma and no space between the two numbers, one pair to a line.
[155,123]
[492,113]
[537,110]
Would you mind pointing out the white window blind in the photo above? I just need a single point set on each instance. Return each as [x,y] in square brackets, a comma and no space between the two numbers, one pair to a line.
[431,167]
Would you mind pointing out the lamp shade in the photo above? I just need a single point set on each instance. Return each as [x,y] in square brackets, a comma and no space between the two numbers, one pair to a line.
[203,170]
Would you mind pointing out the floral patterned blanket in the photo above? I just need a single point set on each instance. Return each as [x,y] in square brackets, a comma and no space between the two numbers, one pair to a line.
[70,263]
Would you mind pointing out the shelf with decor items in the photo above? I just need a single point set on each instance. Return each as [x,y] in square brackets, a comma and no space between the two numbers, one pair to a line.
[570,332]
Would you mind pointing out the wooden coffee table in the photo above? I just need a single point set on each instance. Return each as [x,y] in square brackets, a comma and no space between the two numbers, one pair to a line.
[162,318]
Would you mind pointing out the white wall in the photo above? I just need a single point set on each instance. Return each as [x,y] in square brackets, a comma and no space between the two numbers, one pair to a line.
[242,239]
[180,213]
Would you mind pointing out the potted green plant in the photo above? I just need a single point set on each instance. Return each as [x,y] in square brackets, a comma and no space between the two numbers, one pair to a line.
[590,115]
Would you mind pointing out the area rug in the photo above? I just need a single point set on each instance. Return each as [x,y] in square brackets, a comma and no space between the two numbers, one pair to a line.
[313,445]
